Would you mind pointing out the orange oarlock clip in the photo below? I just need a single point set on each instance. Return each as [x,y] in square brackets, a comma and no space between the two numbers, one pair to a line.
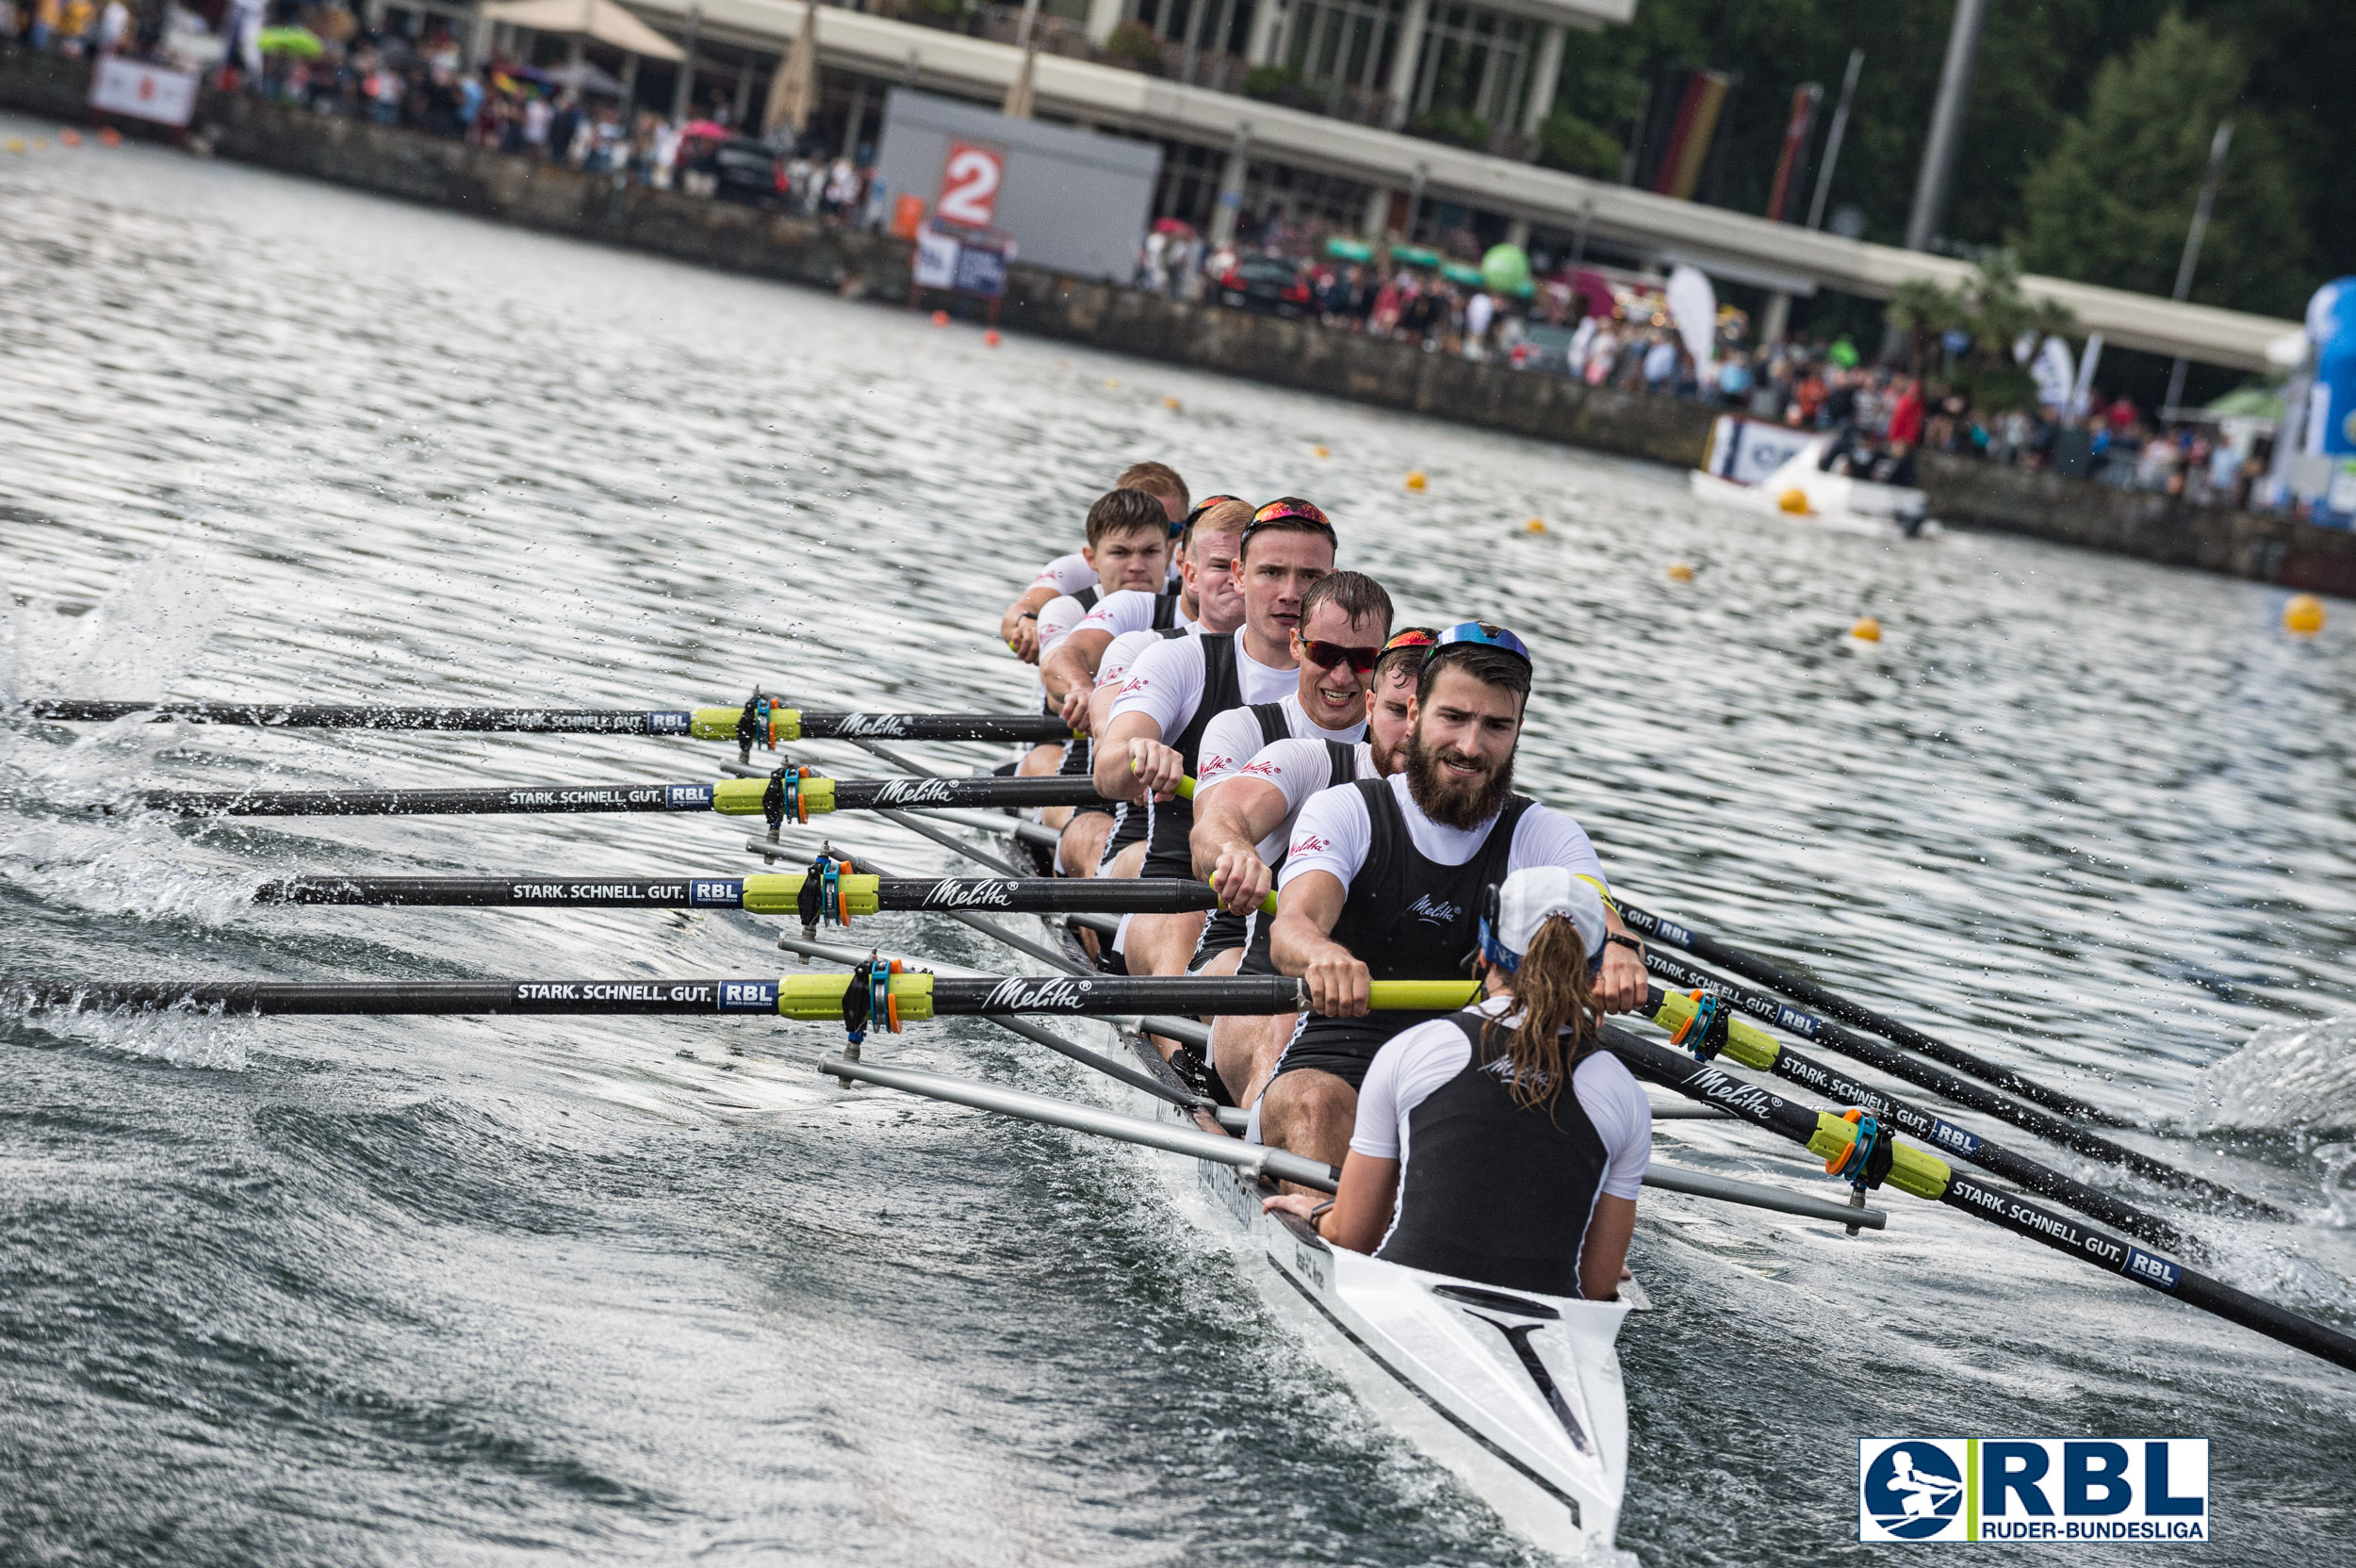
[1834,1166]
[892,1002]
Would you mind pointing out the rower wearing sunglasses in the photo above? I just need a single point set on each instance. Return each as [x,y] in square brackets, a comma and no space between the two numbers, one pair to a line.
[1241,831]
[1383,880]
[1176,687]
[1345,619]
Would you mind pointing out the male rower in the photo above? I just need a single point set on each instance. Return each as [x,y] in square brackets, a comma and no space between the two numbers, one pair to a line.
[1177,686]
[1345,620]
[1385,879]
[1128,547]
[1241,828]
[1083,674]
[1069,574]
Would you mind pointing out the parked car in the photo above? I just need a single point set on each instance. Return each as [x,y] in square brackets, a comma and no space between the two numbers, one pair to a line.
[1268,283]
[743,170]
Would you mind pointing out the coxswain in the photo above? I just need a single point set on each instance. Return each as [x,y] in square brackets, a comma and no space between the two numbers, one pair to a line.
[1128,547]
[1383,880]
[1078,671]
[1467,1157]
[1069,574]
[1241,828]
[1179,684]
[1345,620]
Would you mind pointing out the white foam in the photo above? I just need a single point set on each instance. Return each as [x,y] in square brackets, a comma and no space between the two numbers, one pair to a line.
[2289,1077]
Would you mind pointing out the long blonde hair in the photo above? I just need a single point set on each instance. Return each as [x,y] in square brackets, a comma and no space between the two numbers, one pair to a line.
[1560,1025]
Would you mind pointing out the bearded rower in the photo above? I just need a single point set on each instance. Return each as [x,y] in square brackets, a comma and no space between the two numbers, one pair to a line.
[1383,880]
[1070,574]
[1177,686]
[1501,1144]
[1128,547]
[1241,828]
[1074,666]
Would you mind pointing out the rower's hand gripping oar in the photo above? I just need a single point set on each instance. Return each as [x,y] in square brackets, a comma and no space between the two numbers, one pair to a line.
[1852,1153]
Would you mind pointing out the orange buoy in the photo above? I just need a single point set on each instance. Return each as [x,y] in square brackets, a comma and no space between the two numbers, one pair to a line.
[1795,501]
[990,337]
[1536,525]
[1416,478]
[1319,451]
[1680,571]
[940,318]
[1867,630]
[111,137]
[70,137]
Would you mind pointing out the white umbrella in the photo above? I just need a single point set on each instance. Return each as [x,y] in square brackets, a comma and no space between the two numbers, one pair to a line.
[598,20]
[794,91]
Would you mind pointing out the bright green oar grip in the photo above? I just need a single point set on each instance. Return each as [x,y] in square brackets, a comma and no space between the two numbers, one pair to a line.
[1924,1175]
[818,998]
[780,894]
[1746,1044]
[744,797]
[1421,996]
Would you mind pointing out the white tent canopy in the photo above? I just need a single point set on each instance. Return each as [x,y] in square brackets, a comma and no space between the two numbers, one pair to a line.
[599,21]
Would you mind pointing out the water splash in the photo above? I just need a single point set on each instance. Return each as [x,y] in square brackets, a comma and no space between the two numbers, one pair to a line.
[2289,1077]
[146,629]
[181,1036]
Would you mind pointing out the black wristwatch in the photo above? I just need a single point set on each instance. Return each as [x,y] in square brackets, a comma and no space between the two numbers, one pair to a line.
[1623,940]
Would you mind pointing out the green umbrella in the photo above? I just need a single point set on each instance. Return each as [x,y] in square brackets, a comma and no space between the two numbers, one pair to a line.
[1456,271]
[1415,256]
[299,42]
[1341,248]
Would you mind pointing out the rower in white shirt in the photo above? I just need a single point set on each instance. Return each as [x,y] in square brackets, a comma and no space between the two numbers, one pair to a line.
[1241,828]
[1502,1144]
[1073,574]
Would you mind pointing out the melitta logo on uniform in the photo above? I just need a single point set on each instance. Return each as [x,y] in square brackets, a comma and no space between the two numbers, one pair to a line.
[914,792]
[950,893]
[1308,843]
[2106,1489]
[1036,996]
[1439,911]
[1215,764]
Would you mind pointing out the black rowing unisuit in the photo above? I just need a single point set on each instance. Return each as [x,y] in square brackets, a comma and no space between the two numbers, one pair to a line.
[1493,1191]
[1341,767]
[1079,753]
[1406,918]
[1224,930]
[1166,853]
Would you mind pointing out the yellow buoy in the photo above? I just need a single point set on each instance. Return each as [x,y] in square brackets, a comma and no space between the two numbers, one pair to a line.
[1536,525]
[41,144]
[1171,404]
[1109,382]
[1415,479]
[2303,614]
[1680,571]
[1795,501]
[1319,451]
[1867,630]
[16,144]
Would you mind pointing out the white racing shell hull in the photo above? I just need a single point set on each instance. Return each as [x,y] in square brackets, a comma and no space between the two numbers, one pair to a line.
[1518,1395]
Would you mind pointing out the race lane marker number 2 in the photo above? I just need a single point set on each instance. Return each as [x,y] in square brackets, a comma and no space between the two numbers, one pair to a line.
[969,184]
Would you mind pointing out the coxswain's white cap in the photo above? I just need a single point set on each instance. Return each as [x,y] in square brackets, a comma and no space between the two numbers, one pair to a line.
[1528,897]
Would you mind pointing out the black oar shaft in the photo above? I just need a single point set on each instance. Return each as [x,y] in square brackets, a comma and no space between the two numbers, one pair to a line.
[1078,995]
[1751,966]
[1027,894]
[1945,1136]
[549,721]
[2063,1233]
[732,797]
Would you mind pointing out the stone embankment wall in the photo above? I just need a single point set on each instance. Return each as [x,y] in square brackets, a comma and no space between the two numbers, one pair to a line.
[1287,353]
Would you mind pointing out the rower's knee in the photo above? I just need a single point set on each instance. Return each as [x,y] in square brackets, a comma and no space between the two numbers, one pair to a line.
[1082,843]
[1309,1113]
[1129,862]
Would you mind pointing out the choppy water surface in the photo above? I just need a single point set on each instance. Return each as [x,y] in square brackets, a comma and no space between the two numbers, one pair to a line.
[472,1290]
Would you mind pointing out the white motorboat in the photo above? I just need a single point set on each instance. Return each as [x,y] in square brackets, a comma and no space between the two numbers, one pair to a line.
[1777,471]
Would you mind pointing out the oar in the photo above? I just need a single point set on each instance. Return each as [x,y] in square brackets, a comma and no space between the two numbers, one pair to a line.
[703,724]
[1927,1176]
[776,893]
[793,797]
[810,997]
[1750,966]
[1275,1165]
[1757,1050]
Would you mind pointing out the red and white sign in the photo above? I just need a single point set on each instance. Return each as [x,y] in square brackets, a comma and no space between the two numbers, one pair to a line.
[969,179]
[143,91]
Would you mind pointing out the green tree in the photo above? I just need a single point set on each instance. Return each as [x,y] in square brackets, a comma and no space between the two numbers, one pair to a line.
[2111,203]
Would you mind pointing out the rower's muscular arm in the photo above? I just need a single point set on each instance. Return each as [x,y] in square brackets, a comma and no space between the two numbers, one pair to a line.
[1622,983]
[1132,763]
[1019,627]
[1301,942]
[1229,823]
[1071,666]
[1363,1202]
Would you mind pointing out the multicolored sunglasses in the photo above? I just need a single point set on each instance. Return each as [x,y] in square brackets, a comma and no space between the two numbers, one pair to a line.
[1200,507]
[1479,634]
[1289,509]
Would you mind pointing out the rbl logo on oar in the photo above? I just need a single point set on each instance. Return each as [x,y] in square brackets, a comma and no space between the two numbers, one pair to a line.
[2118,1489]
